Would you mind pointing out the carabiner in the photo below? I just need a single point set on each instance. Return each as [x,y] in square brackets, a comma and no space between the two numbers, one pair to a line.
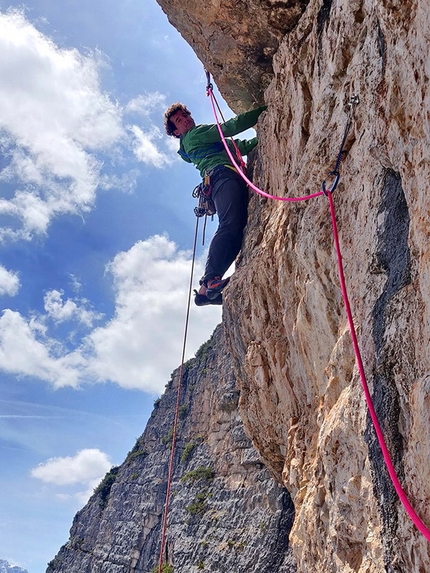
[333,185]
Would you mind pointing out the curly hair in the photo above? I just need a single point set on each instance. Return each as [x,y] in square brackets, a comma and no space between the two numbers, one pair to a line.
[169,126]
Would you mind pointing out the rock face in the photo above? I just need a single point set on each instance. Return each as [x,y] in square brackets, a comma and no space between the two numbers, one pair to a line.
[235,40]
[300,394]
[292,378]
[226,513]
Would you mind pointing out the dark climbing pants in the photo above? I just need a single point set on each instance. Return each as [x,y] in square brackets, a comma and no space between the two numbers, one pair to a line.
[230,195]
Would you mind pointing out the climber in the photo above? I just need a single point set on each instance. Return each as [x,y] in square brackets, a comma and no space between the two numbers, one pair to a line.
[202,146]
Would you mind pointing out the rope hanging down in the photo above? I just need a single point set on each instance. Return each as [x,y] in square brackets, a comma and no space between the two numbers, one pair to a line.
[386,454]
[178,402]
[239,158]
[209,91]
[328,192]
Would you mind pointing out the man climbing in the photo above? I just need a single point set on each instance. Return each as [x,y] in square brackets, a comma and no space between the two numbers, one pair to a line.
[202,146]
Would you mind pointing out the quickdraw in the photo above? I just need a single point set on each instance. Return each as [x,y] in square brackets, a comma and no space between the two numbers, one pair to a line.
[206,206]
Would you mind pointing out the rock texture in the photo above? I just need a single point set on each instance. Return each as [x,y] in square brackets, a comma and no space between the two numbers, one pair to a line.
[226,513]
[235,40]
[300,394]
[301,399]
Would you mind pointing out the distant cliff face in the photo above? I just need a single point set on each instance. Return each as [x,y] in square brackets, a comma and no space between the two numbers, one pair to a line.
[226,514]
[300,395]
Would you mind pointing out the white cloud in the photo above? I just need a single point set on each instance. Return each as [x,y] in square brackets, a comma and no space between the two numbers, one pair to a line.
[53,120]
[9,282]
[86,468]
[127,182]
[146,150]
[145,104]
[25,350]
[56,127]
[87,465]
[139,347]
[172,144]
[75,283]
[60,310]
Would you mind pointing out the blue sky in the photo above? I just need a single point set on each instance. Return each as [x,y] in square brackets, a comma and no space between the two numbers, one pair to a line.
[96,229]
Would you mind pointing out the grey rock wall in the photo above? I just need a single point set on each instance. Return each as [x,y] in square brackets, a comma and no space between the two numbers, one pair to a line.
[226,514]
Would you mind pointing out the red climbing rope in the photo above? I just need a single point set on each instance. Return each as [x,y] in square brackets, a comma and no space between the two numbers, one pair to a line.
[209,92]
[389,464]
[239,170]
[328,192]
[177,409]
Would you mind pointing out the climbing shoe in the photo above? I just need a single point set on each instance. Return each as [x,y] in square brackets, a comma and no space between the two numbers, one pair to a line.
[203,300]
[215,286]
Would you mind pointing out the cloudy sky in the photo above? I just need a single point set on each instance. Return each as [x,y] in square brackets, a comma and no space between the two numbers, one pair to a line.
[96,230]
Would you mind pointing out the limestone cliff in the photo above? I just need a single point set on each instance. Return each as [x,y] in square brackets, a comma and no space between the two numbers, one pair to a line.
[235,40]
[226,512]
[289,376]
[300,395]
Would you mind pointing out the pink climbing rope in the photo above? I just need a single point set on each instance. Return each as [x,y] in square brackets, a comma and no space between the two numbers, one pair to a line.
[239,170]
[328,192]
[387,458]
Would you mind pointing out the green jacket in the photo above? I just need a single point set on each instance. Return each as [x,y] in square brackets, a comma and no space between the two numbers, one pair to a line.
[203,147]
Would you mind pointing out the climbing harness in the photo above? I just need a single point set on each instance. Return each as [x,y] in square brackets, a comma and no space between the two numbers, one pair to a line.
[328,193]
